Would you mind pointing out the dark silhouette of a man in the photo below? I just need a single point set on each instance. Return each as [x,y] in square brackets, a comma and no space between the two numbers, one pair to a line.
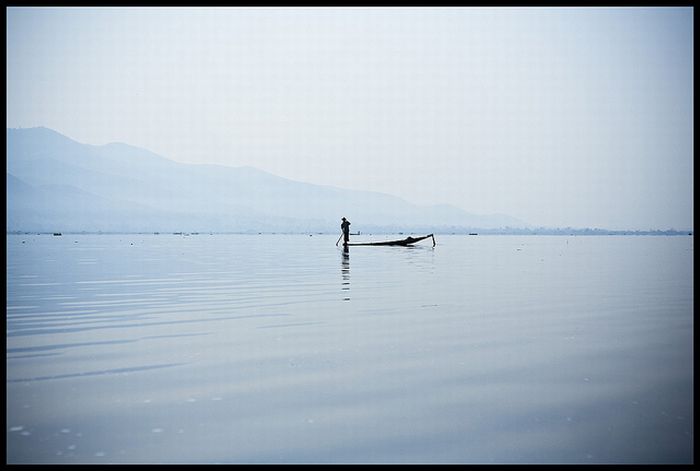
[345,227]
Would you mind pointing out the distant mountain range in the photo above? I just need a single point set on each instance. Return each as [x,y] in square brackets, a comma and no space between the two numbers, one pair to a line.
[57,184]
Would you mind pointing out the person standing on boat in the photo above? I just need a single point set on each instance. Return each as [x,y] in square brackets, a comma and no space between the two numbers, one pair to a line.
[345,227]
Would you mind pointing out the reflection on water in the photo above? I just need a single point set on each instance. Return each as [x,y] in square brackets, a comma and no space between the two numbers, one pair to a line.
[345,271]
[236,348]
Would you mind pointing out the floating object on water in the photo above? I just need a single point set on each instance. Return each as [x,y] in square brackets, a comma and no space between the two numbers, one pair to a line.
[403,242]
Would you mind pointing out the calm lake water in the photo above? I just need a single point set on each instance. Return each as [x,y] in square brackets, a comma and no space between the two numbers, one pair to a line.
[284,348]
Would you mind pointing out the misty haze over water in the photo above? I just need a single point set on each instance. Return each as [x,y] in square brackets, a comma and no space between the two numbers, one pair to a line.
[176,179]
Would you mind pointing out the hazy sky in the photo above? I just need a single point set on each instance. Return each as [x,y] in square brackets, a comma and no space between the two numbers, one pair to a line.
[560,117]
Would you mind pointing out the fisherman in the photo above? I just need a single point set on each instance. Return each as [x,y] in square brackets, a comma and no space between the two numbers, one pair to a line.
[345,227]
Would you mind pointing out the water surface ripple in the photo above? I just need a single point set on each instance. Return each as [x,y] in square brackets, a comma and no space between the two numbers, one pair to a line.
[285,348]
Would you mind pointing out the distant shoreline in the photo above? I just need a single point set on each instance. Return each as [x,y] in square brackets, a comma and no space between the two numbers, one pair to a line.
[471,233]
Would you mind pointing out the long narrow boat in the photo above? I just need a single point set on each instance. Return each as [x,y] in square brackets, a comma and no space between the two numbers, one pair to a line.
[403,242]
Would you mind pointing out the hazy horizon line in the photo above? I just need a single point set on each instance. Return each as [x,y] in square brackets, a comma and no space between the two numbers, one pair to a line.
[548,231]
[528,228]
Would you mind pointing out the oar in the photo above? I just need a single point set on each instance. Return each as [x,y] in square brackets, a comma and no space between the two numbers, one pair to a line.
[336,242]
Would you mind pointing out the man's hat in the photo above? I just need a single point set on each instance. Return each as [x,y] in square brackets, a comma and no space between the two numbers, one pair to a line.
[343,219]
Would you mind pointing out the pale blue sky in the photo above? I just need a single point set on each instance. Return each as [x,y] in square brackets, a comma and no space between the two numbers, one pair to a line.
[560,117]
